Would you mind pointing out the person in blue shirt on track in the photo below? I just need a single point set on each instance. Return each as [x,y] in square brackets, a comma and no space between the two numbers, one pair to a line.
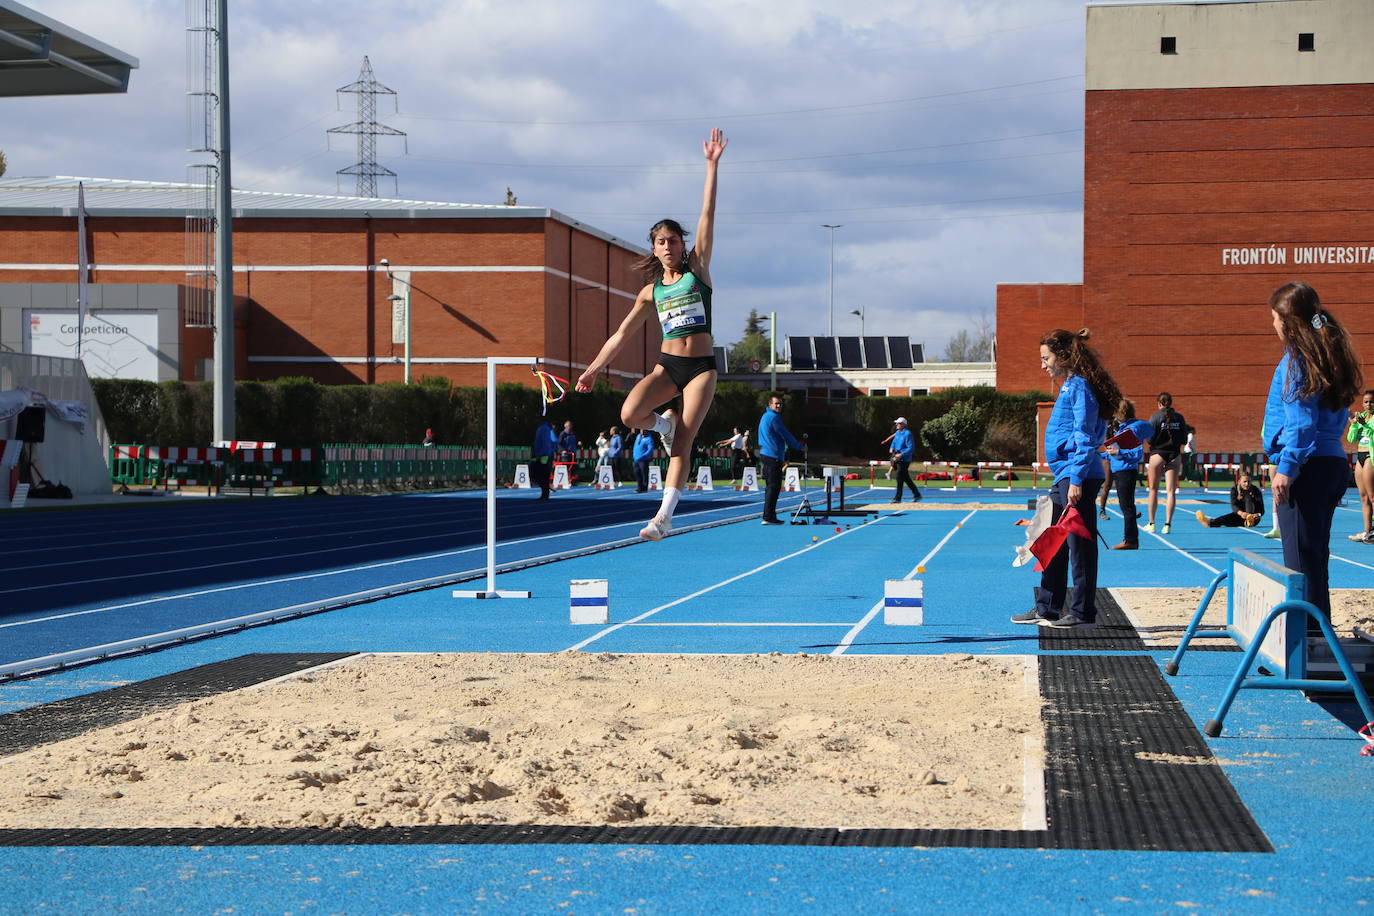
[545,444]
[1304,422]
[1125,467]
[615,450]
[643,451]
[567,443]
[903,450]
[1077,427]
[678,292]
[774,441]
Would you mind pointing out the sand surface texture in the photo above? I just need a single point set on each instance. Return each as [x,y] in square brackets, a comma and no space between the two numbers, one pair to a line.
[1162,614]
[571,738]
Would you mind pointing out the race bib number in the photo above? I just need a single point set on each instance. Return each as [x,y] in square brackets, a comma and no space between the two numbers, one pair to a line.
[685,310]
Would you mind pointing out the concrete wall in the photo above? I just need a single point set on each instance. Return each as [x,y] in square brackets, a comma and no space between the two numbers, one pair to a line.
[1229,44]
[161,299]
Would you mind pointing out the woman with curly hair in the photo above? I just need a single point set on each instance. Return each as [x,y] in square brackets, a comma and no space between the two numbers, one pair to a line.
[1078,425]
[1304,419]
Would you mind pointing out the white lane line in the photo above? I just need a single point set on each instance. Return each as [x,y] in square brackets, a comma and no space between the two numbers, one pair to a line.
[849,637]
[1334,555]
[845,623]
[1033,812]
[710,588]
[338,572]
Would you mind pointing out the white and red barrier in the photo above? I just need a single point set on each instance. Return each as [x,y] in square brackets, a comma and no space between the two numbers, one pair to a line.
[983,467]
[952,470]
[1208,468]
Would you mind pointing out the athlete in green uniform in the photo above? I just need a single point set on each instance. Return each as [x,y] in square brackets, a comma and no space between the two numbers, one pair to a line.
[678,292]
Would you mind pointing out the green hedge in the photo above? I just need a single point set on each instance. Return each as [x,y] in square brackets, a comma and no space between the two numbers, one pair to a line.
[299,412]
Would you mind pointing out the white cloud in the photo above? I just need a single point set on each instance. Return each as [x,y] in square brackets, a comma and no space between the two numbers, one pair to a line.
[914,125]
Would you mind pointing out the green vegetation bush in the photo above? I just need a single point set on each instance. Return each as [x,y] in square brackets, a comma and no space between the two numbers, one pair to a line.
[299,412]
[957,433]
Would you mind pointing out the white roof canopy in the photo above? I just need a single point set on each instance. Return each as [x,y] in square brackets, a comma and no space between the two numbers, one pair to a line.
[41,56]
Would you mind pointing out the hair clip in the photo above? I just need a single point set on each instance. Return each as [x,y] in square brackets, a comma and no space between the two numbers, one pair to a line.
[1318,321]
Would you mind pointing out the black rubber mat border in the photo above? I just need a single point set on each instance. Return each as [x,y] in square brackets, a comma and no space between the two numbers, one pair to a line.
[1109,721]
[1114,632]
[49,722]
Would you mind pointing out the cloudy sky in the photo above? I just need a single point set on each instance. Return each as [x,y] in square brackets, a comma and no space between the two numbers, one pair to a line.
[944,136]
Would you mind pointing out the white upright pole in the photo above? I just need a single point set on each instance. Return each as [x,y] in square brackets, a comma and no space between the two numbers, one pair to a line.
[831,306]
[407,341]
[491,591]
[772,351]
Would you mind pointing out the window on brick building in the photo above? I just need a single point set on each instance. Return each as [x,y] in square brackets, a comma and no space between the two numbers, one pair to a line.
[1307,41]
[877,392]
[1168,45]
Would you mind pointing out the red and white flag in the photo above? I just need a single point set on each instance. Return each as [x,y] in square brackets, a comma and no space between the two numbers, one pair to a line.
[1045,540]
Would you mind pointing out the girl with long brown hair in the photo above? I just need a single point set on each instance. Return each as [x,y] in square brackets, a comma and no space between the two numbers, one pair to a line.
[1076,430]
[1304,418]
[678,292]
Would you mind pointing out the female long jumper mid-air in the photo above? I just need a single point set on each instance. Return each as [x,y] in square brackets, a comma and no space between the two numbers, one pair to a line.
[678,291]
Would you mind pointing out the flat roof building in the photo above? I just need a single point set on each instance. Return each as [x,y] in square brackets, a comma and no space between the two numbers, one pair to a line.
[311,295]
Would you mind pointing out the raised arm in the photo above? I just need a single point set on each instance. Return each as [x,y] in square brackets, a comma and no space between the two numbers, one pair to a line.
[638,314]
[713,147]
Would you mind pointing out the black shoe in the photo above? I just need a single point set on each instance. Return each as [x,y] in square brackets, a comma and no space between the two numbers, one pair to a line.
[1031,617]
[916,498]
[772,521]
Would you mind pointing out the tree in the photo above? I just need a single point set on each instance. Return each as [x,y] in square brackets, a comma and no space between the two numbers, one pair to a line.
[971,346]
[754,345]
[3,163]
[957,434]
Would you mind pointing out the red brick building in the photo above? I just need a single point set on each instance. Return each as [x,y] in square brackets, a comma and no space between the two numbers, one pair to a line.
[311,297]
[1228,149]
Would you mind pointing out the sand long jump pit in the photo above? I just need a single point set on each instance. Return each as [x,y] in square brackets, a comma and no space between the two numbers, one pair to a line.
[940,741]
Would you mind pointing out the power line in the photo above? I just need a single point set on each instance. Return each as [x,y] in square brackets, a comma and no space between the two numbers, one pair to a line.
[716,118]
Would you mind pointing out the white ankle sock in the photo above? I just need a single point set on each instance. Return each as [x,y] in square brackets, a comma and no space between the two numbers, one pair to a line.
[670,497]
[662,424]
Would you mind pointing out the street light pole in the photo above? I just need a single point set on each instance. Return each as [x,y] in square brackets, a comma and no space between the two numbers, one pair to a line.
[772,351]
[831,309]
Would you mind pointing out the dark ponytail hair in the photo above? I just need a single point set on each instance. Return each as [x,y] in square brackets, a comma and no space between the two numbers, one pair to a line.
[1325,363]
[1166,403]
[650,267]
[1082,360]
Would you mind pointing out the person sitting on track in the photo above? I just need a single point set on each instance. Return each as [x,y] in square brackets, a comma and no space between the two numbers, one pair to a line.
[679,292]
[1247,506]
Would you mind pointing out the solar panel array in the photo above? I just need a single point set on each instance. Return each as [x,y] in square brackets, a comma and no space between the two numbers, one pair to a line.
[853,352]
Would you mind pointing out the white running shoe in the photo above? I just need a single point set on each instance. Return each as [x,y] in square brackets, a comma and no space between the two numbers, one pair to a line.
[1165,529]
[1272,535]
[671,416]
[657,528]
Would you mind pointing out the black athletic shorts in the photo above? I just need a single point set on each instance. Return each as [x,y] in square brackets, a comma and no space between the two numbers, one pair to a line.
[1361,457]
[682,369]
